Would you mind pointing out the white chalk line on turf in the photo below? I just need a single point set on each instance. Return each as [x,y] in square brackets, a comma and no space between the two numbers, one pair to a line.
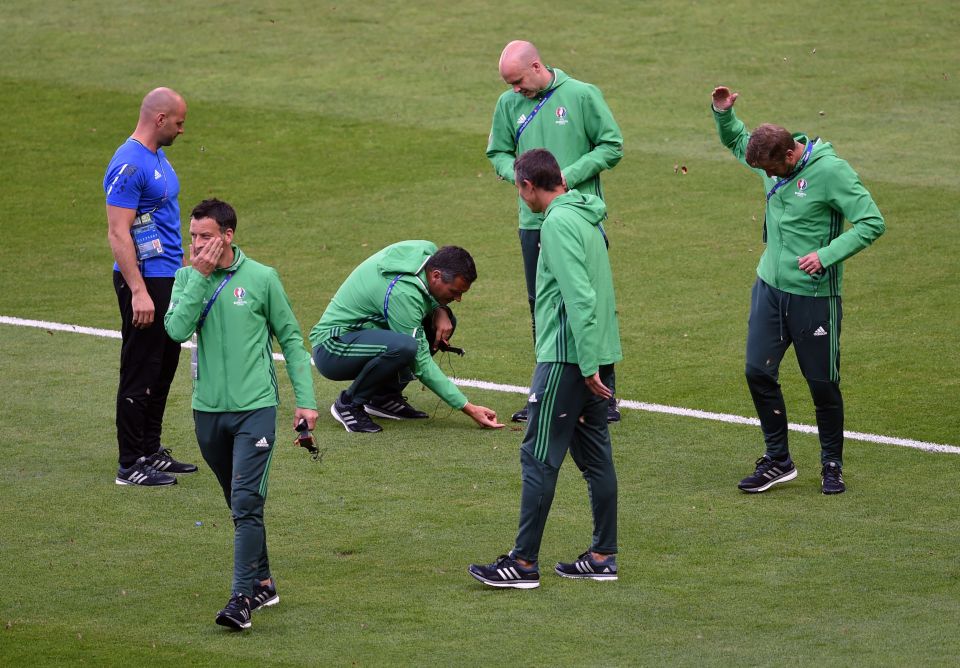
[519,389]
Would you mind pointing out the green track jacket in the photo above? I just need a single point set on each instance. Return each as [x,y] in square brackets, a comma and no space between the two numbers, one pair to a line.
[576,309]
[807,213]
[575,124]
[235,369]
[360,304]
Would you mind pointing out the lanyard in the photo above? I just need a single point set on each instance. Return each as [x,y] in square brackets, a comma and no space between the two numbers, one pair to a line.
[803,163]
[386,297]
[526,121]
[206,309]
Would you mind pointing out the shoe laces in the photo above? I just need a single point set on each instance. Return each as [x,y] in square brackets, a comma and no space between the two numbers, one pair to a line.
[763,465]
[238,600]
[148,468]
[360,415]
[831,473]
[162,454]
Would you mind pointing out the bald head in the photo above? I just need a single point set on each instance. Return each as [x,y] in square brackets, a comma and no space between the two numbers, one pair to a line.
[161,101]
[522,69]
[162,114]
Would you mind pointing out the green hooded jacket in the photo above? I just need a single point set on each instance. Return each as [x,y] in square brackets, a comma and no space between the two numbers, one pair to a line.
[235,369]
[575,124]
[576,312]
[361,301]
[806,214]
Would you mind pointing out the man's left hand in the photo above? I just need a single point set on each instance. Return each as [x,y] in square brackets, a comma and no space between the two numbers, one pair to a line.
[595,385]
[307,414]
[443,327]
[810,263]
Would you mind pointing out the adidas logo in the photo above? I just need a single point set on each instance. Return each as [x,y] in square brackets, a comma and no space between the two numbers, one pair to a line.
[157,175]
[820,331]
[532,398]
[263,443]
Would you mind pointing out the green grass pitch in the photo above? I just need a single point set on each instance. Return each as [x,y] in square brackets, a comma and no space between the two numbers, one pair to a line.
[337,128]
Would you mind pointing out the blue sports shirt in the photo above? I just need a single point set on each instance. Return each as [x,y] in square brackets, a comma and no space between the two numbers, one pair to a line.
[139,179]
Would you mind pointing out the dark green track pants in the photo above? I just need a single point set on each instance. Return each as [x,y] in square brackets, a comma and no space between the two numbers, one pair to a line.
[238,447]
[376,360]
[812,325]
[558,399]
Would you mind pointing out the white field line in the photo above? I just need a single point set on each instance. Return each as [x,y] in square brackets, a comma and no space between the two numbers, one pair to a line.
[518,389]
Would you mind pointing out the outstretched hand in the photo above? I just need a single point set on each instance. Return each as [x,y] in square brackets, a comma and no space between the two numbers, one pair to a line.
[723,99]
[482,415]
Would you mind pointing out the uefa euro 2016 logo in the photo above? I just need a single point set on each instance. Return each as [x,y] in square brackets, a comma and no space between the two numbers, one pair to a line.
[239,293]
[561,115]
[801,187]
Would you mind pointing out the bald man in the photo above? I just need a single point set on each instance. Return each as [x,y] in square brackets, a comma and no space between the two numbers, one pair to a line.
[143,228]
[545,108]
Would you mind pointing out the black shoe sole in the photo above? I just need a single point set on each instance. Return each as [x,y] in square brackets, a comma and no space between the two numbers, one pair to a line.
[232,624]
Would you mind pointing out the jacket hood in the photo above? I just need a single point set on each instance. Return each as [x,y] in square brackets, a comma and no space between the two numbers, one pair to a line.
[589,207]
[238,258]
[559,77]
[405,257]
[820,148]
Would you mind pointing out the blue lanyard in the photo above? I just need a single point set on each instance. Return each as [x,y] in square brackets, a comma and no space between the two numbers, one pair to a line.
[386,297]
[216,293]
[803,163]
[526,121]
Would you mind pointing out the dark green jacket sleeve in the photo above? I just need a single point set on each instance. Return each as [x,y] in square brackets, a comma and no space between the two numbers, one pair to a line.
[734,135]
[502,145]
[186,303]
[847,194]
[285,328]
[604,135]
[562,246]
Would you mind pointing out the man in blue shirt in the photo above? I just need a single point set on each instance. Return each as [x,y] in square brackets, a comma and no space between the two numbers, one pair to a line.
[143,227]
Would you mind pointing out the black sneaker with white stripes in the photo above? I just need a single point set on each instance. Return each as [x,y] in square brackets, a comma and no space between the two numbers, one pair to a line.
[236,614]
[264,595]
[353,417]
[163,461]
[767,474]
[831,479]
[141,473]
[586,567]
[505,572]
[393,407]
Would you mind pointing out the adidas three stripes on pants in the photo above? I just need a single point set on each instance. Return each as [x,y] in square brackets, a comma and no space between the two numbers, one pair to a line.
[238,447]
[812,325]
[559,399]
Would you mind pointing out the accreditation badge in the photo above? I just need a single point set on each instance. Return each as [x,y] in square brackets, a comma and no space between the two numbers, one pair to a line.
[146,237]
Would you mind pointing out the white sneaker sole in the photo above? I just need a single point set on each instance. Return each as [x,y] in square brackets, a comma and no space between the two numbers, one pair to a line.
[121,481]
[374,412]
[511,584]
[266,604]
[784,478]
[586,576]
